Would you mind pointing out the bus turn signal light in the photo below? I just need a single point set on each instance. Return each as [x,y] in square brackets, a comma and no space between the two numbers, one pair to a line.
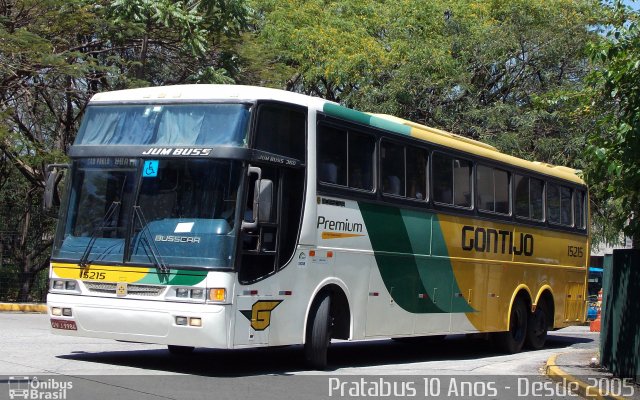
[217,294]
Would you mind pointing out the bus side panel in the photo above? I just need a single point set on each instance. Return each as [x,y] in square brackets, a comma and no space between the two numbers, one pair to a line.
[418,279]
[494,259]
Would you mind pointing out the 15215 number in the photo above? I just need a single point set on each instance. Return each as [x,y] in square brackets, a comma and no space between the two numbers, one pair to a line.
[575,251]
[93,275]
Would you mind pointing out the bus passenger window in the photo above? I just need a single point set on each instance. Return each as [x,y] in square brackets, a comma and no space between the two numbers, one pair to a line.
[442,179]
[493,190]
[536,199]
[559,200]
[486,197]
[529,197]
[560,207]
[361,149]
[580,210]
[392,164]
[452,180]
[332,155]
[462,183]
[417,173]
[566,206]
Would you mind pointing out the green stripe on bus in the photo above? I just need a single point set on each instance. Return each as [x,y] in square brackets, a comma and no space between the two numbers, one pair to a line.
[337,111]
[346,113]
[390,126]
[417,282]
[175,277]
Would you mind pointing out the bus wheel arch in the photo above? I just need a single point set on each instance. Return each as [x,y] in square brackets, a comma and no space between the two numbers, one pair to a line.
[328,317]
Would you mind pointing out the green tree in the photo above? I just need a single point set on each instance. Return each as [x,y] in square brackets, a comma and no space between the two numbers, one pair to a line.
[325,48]
[613,169]
[55,54]
[508,72]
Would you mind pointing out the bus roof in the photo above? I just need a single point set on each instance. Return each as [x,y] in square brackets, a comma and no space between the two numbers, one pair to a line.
[206,93]
[387,122]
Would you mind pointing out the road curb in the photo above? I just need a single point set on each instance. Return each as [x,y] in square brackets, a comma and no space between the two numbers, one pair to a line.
[23,307]
[556,373]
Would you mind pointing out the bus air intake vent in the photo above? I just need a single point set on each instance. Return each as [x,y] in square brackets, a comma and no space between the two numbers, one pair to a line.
[132,290]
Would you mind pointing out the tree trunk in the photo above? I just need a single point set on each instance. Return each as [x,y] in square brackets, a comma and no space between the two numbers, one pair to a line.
[26,282]
[21,254]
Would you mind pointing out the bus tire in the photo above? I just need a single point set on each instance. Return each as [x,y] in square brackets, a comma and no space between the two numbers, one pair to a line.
[512,340]
[318,332]
[180,350]
[537,327]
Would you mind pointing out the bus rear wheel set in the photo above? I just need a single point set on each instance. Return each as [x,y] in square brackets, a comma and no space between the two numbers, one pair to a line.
[525,328]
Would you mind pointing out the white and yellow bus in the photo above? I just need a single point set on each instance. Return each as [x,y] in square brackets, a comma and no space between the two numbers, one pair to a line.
[232,217]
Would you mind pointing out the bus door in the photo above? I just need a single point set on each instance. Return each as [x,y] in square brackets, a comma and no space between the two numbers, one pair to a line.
[272,213]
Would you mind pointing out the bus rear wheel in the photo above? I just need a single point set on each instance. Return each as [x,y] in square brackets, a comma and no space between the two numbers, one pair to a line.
[512,340]
[180,350]
[537,327]
[318,332]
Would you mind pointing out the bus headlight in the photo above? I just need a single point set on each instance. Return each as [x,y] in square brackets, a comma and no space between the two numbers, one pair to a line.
[63,285]
[187,294]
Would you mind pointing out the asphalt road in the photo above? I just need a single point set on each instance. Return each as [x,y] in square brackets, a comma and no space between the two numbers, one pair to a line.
[461,367]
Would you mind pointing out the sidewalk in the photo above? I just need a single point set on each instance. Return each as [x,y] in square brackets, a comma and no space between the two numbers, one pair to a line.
[575,369]
[23,307]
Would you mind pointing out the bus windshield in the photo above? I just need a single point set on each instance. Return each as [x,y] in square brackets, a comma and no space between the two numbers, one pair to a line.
[183,212]
[165,124]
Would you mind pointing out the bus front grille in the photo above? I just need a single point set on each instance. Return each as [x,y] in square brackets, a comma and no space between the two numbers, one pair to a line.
[132,289]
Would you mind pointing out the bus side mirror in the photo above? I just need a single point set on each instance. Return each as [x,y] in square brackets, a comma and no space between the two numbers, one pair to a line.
[262,204]
[263,200]
[54,175]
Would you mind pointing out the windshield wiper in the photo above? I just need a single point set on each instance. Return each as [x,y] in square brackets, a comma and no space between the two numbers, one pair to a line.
[153,249]
[84,260]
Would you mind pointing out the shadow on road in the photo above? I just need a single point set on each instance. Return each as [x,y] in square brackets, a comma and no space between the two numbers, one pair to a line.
[286,360]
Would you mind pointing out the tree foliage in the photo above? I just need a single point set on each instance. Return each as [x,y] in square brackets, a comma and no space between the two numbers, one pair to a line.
[508,72]
[614,167]
[55,54]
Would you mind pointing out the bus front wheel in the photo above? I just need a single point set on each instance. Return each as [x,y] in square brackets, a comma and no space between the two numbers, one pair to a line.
[512,340]
[318,332]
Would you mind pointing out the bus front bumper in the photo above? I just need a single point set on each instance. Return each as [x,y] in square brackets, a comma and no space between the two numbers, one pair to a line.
[141,321]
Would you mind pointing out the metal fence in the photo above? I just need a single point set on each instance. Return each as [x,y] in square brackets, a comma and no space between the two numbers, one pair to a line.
[620,334]
[11,277]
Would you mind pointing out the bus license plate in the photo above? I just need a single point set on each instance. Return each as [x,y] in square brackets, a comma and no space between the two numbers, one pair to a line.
[62,324]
